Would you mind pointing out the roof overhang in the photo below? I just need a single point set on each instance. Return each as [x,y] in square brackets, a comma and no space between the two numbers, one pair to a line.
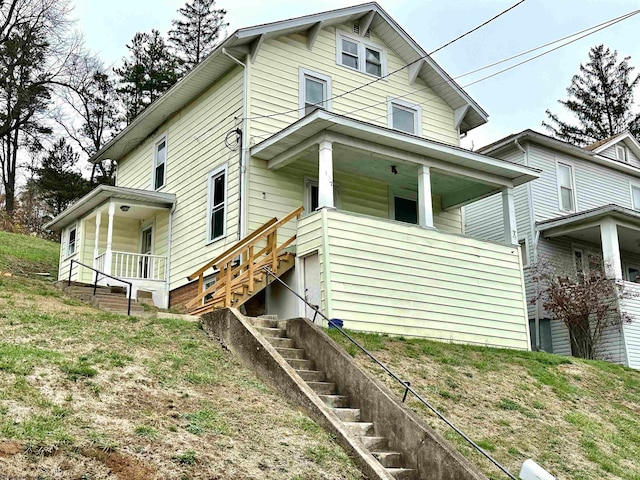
[302,134]
[247,41]
[565,225]
[564,147]
[103,193]
[625,137]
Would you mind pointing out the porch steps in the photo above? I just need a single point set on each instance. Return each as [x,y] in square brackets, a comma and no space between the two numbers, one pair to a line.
[272,330]
[109,298]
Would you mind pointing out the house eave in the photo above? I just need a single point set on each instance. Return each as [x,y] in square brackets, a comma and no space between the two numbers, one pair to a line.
[560,225]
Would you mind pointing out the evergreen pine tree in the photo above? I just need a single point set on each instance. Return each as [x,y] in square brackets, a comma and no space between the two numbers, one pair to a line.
[601,99]
[195,35]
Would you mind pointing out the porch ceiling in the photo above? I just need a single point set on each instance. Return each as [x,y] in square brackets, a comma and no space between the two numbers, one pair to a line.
[94,200]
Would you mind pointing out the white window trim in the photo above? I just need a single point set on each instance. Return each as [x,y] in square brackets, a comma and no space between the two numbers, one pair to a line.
[67,236]
[524,244]
[145,226]
[362,44]
[417,119]
[213,173]
[625,269]
[158,140]
[308,182]
[625,153]
[302,74]
[633,185]
[573,186]
[402,193]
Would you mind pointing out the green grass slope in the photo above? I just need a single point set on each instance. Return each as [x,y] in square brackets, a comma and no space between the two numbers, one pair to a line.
[90,395]
[578,419]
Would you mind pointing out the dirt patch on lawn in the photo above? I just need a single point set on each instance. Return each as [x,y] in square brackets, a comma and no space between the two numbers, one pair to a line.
[123,466]
[8,449]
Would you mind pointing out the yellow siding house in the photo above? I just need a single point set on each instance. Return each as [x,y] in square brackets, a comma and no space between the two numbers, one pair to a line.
[340,112]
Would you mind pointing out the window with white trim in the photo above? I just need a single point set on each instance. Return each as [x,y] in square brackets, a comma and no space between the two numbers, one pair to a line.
[524,252]
[621,153]
[355,53]
[315,91]
[160,163]
[405,117]
[635,196]
[312,194]
[72,240]
[217,204]
[565,187]
[403,205]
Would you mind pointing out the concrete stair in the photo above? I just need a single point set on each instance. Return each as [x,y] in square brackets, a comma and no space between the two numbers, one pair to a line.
[272,330]
[111,299]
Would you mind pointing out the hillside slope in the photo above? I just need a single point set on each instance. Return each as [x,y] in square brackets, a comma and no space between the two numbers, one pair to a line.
[579,419]
[90,395]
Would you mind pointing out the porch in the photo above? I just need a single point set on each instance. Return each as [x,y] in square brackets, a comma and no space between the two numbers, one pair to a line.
[120,232]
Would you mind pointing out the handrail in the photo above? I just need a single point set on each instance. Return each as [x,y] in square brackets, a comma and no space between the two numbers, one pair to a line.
[406,385]
[95,283]
[233,250]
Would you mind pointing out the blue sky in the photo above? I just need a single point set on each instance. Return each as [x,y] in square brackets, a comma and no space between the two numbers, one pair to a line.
[514,100]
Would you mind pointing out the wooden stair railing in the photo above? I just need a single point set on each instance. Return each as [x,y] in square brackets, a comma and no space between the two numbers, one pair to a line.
[235,284]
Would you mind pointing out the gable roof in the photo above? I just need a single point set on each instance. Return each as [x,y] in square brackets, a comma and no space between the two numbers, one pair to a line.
[625,137]
[248,40]
[569,148]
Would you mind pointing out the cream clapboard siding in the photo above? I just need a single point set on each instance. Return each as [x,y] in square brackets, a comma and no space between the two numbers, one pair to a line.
[405,280]
[65,260]
[195,147]
[275,87]
[274,194]
[309,240]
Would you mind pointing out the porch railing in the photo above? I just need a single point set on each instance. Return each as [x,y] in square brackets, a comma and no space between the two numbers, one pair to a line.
[98,263]
[135,265]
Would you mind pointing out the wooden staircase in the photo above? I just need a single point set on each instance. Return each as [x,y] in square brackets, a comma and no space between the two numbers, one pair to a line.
[236,281]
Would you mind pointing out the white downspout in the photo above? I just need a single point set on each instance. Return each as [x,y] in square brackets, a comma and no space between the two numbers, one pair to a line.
[536,238]
[169,240]
[243,145]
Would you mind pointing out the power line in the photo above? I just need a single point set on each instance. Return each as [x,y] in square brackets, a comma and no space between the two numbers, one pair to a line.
[419,59]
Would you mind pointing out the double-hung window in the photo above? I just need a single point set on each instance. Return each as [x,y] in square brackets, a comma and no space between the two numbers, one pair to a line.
[621,153]
[315,91]
[160,163]
[72,240]
[361,55]
[635,196]
[404,117]
[566,188]
[217,204]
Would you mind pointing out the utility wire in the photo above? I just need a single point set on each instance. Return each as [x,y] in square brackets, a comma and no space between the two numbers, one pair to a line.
[419,59]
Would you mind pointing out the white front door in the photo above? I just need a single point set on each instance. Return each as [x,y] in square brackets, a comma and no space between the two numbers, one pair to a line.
[312,293]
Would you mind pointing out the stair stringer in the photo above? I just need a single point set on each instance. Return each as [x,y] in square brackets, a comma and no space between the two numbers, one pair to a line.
[423,449]
[234,332]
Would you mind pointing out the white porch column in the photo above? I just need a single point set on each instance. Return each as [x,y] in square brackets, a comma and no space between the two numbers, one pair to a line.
[96,250]
[108,255]
[509,216]
[611,249]
[325,175]
[425,204]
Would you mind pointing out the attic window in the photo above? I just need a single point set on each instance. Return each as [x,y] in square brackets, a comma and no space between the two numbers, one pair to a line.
[621,153]
[352,52]
[356,30]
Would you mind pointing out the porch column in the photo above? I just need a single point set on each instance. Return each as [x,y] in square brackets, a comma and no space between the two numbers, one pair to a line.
[325,175]
[96,250]
[509,216]
[611,249]
[108,255]
[425,205]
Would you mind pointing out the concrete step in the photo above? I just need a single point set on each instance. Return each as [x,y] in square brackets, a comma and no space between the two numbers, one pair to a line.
[122,311]
[119,306]
[272,332]
[291,352]
[268,317]
[263,322]
[389,459]
[402,473]
[323,388]
[347,414]
[360,429]
[335,401]
[312,375]
[299,364]
[108,299]
[111,295]
[280,342]
[374,443]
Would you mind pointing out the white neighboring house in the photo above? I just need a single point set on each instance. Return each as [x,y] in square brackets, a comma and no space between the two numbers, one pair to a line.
[586,204]
[262,127]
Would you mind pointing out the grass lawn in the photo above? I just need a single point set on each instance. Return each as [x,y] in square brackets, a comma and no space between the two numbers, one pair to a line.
[90,395]
[578,419]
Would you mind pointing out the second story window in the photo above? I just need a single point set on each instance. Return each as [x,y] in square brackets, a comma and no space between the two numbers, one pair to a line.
[160,163]
[217,204]
[621,153]
[360,54]
[315,91]
[635,196]
[404,116]
[565,187]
